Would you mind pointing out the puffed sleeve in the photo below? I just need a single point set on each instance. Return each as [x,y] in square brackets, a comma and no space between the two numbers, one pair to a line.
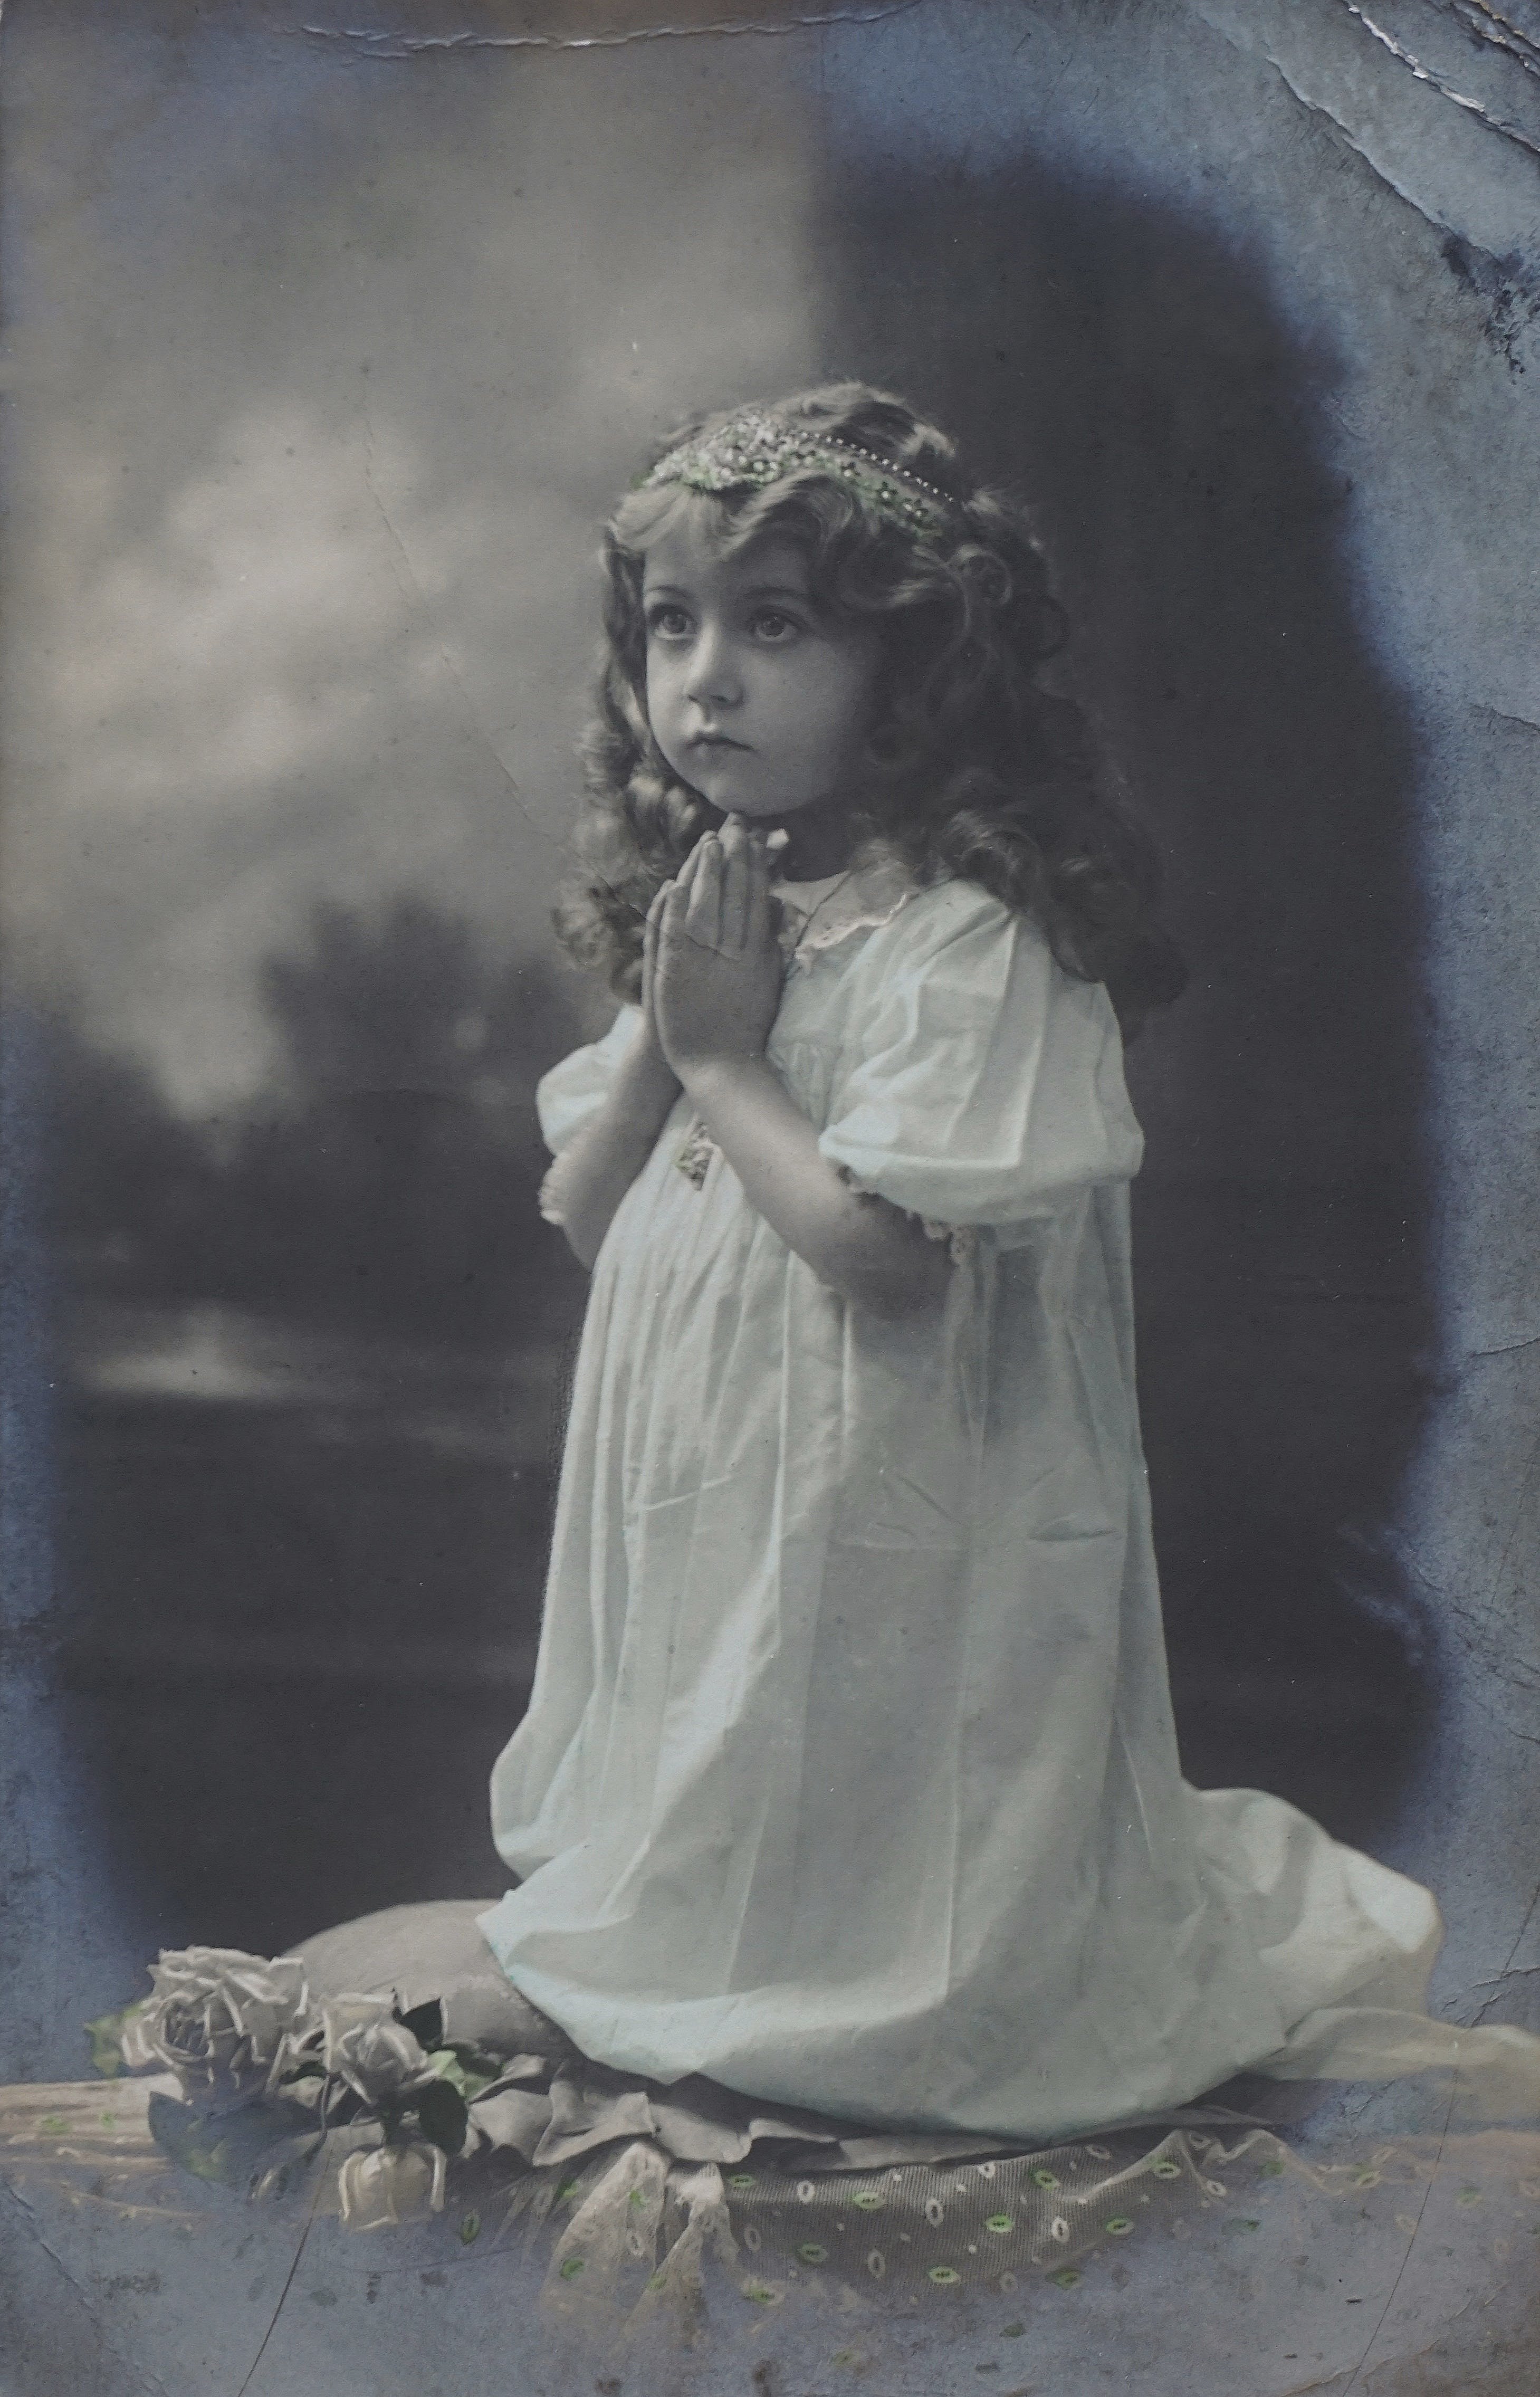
[573,1092]
[979,1082]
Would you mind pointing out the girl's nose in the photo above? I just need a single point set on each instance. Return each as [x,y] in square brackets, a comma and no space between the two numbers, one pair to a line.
[714,680]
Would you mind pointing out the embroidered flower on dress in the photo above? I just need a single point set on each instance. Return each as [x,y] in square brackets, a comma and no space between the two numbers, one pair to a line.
[694,1157]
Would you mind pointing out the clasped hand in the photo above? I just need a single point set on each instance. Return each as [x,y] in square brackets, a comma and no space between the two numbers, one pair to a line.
[711,973]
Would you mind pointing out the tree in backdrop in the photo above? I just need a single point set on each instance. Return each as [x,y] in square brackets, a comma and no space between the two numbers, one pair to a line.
[394,1182]
[388,1180]
[130,1192]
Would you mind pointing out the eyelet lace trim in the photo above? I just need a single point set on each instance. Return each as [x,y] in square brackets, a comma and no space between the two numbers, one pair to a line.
[962,1239]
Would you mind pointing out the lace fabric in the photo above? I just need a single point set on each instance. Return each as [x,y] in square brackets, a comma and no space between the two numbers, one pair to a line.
[631,2207]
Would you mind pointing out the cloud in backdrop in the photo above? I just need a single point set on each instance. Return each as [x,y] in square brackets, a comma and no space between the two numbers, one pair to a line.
[324,371]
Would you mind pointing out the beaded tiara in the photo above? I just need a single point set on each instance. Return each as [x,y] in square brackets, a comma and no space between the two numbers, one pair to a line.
[755,449]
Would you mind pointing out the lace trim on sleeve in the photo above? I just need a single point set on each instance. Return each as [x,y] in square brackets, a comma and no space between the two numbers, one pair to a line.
[551,1212]
[961,1239]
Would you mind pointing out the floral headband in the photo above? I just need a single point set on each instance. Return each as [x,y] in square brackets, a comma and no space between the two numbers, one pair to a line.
[755,449]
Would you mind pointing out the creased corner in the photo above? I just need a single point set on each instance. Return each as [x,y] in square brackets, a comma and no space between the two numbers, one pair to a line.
[390,47]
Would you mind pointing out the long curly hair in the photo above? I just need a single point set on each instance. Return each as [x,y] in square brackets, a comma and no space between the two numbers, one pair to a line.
[973,770]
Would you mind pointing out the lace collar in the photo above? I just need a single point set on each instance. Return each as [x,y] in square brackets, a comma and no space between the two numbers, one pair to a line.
[817,916]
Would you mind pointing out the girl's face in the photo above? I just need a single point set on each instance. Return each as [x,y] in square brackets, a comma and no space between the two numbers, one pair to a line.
[758,699]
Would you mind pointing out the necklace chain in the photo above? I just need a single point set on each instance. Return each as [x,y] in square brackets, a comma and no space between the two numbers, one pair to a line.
[816,910]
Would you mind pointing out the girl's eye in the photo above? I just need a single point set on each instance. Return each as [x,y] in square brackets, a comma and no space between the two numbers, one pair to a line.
[669,621]
[775,624]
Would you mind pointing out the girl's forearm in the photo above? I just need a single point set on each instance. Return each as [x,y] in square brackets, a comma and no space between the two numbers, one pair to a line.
[596,1167]
[860,1246]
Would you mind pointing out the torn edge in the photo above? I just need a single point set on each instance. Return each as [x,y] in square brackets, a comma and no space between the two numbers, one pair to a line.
[1504,282]
[1425,74]
[1520,724]
[1489,25]
[411,46]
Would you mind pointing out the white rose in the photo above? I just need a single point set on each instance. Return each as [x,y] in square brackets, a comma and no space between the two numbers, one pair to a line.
[217,2014]
[380,2187]
[364,2045]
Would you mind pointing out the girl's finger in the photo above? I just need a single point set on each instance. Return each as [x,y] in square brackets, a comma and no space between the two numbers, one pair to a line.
[735,885]
[703,920]
[758,927]
[651,929]
[685,879]
[671,914]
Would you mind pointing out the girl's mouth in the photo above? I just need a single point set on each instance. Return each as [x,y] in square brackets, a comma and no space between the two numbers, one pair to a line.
[715,741]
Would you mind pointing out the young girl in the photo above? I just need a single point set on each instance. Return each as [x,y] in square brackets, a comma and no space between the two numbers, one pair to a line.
[849,1778]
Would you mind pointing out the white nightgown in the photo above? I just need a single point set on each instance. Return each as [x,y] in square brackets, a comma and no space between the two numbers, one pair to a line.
[849,1778]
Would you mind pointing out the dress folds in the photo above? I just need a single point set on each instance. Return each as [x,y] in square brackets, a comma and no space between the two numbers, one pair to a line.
[849,1778]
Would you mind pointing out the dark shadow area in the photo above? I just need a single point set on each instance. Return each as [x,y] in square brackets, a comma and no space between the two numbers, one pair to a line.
[1125,367]
[305,1436]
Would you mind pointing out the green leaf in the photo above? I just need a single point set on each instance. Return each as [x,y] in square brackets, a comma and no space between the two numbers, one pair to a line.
[476,2059]
[106,2037]
[442,2115]
[465,2068]
[426,2023]
[470,2228]
[469,2068]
